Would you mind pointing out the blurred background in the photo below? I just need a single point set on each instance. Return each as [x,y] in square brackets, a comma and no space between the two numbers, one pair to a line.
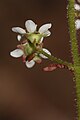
[32,94]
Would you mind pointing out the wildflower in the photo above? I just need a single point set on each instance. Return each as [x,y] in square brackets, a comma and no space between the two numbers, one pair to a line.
[31,43]
[30,59]
[31,31]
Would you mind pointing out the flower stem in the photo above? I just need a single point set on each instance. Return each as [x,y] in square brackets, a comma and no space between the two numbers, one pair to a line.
[74,50]
[58,61]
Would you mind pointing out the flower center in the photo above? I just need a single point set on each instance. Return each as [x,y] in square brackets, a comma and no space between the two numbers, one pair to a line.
[34,38]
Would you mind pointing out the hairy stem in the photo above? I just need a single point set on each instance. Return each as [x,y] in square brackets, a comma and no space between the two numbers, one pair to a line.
[58,61]
[74,50]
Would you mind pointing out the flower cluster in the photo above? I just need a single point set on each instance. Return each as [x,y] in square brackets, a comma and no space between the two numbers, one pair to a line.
[31,42]
[77,13]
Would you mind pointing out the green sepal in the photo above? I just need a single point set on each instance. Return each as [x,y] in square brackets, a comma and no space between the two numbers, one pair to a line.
[34,37]
[29,49]
[36,58]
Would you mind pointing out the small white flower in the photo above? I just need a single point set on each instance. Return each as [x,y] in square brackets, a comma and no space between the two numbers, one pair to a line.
[31,63]
[19,53]
[77,7]
[31,27]
[77,24]
[26,49]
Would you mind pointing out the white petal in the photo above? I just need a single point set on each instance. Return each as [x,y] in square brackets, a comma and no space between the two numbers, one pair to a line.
[47,51]
[77,7]
[19,37]
[44,28]
[77,24]
[16,53]
[47,33]
[30,64]
[41,40]
[18,30]
[30,26]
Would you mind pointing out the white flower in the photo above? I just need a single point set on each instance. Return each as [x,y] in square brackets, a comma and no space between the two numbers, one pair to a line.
[31,39]
[31,28]
[77,24]
[18,53]
[77,7]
